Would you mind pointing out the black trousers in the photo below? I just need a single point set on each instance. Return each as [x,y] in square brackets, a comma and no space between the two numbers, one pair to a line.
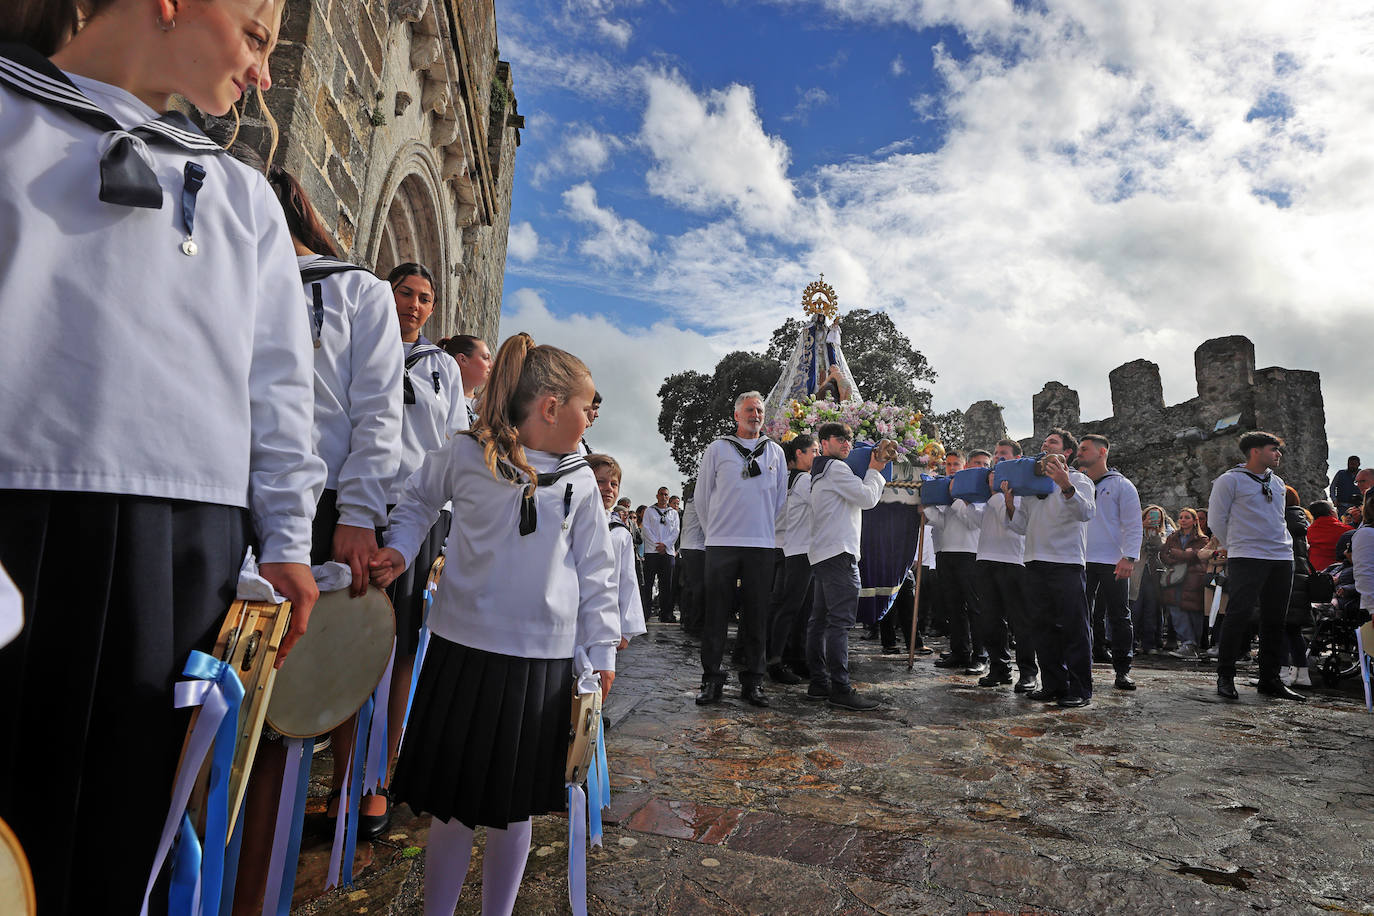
[117,592]
[752,567]
[959,591]
[1109,597]
[1255,585]
[658,567]
[792,588]
[899,617]
[1058,603]
[692,600]
[1004,611]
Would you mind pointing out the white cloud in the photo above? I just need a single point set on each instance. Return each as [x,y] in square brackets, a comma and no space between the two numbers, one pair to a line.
[617,31]
[897,67]
[584,151]
[811,98]
[617,241]
[711,153]
[522,242]
[628,365]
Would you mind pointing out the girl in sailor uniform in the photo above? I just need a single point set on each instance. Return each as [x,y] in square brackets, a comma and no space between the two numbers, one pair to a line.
[607,471]
[474,364]
[530,579]
[434,409]
[353,326]
[155,413]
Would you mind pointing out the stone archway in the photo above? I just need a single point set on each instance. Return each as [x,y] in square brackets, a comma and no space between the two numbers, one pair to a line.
[413,226]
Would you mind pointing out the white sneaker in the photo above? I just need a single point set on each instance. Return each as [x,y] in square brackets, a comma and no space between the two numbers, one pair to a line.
[1286,675]
[1302,680]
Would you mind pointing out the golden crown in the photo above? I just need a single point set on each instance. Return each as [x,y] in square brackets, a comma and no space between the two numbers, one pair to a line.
[819,299]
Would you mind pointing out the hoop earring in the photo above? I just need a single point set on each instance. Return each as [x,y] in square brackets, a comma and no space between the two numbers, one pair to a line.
[166,25]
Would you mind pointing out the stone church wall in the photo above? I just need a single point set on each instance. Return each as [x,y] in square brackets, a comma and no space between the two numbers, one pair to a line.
[1173,453]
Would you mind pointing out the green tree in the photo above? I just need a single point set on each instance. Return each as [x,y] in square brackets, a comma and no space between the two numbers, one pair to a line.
[885,364]
[698,408]
[951,427]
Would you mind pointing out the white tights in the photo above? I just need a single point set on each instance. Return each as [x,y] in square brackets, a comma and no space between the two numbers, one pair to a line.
[448,856]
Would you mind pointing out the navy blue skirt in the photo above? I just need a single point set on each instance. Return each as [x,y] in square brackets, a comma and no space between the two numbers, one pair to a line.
[407,593]
[117,592]
[487,741]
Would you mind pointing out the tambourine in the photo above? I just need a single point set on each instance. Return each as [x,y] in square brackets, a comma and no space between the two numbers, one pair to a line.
[17,895]
[248,642]
[583,729]
[335,666]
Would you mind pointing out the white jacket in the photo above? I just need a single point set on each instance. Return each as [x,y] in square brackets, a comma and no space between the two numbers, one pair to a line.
[737,510]
[1056,526]
[1117,527]
[440,409]
[957,525]
[838,500]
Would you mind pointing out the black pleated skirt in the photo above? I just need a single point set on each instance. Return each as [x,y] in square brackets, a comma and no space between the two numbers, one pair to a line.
[487,741]
[117,592]
[407,593]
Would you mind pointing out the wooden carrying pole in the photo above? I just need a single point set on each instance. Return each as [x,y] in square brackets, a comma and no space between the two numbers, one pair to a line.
[916,596]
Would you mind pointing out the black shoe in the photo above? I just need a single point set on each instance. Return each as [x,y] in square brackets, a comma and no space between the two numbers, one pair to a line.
[816,691]
[848,698]
[951,661]
[1124,682]
[668,618]
[1044,696]
[710,694]
[799,668]
[1027,684]
[1073,702]
[1102,657]
[371,826]
[1226,686]
[1278,689]
[979,668]
[994,679]
[753,695]
[890,648]
[782,674]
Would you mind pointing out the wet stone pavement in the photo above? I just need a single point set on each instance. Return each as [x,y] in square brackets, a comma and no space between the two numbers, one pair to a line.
[949,799]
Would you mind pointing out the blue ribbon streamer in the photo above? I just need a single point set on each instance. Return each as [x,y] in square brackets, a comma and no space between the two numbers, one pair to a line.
[231,867]
[355,791]
[304,750]
[185,893]
[208,668]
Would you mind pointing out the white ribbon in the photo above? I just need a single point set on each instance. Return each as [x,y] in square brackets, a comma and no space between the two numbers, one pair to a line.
[588,681]
[577,850]
[213,706]
[1216,606]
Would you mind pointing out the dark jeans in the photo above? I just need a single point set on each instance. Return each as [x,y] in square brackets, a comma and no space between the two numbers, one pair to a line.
[659,567]
[752,567]
[691,601]
[834,608]
[1003,598]
[1108,596]
[959,591]
[1058,605]
[1255,585]
[791,610]
[1145,613]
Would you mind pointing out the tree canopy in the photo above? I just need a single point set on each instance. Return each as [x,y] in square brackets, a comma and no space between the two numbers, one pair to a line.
[698,407]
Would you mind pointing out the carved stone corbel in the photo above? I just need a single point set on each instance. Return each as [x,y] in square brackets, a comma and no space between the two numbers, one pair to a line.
[424,51]
[435,97]
[444,132]
[403,100]
[409,10]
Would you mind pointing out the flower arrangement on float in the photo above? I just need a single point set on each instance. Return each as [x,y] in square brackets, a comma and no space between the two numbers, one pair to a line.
[870,421]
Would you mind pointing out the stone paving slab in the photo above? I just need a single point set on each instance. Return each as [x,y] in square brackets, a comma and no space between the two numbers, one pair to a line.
[949,799]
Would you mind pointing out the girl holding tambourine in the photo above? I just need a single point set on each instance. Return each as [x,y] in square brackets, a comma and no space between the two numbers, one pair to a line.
[531,578]
[155,398]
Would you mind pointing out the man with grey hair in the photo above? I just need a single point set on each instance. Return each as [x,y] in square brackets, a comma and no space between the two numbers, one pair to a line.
[741,489]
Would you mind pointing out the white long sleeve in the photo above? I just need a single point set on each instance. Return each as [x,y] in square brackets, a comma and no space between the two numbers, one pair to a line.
[1245,522]
[1362,555]
[737,510]
[627,585]
[357,391]
[838,500]
[660,530]
[1056,526]
[1116,529]
[439,412]
[996,540]
[538,595]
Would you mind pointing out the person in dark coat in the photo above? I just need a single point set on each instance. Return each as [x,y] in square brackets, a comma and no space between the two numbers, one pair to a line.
[1294,673]
[1185,599]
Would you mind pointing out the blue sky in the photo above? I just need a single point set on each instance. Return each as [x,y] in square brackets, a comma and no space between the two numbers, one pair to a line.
[1033,191]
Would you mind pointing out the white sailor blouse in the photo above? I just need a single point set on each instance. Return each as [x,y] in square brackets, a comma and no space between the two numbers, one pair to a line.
[433,408]
[352,318]
[149,309]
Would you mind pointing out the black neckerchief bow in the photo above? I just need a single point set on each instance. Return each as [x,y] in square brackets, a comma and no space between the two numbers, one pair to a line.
[529,516]
[662,514]
[126,176]
[751,464]
[422,349]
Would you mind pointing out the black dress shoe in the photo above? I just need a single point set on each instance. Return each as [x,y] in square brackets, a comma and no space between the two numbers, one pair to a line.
[1026,685]
[1226,686]
[1073,702]
[799,667]
[994,679]
[782,674]
[753,695]
[1124,682]
[951,661]
[711,692]
[371,826]
[889,648]
[977,668]
[1277,688]
[1044,696]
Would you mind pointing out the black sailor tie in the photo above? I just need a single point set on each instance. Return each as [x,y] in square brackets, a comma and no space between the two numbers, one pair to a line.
[529,516]
[751,463]
[126,174]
